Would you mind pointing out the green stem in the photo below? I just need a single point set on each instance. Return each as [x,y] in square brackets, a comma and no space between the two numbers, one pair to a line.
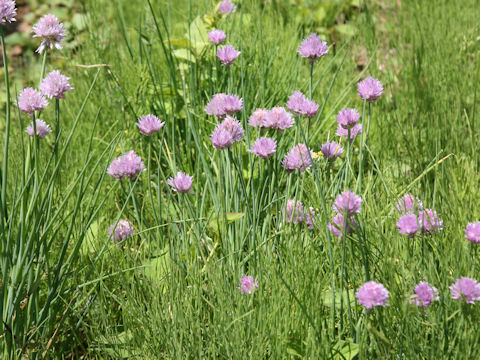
[360,155]
[57,129]
[3,208]
[44,63]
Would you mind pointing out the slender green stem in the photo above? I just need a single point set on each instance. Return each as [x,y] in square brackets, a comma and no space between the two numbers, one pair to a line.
[360,155]
[44,64]
[57,129]
[7,133]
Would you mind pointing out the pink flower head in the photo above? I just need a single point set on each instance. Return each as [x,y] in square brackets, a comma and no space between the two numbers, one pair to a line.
[264,147]
[300,105]
[354,131]
[340,226]
[370,89]
[313,48]
[347,203]
[430,222]
[221,138]
[278,118]
[331,150]
[227,7]
[408,224]
[123,230]
[223,104]
[293,212]
[181,183]
[258,118]
[30,100]
[424,294]
[472,232]
[55,85]
[227,55]
[299,157]
[372,294]
[409,204]
[248,284]
[466,289]
[310,218]
[234,127]
[51,31]
[42,128]
[7,11]
[128,165]
[348,118]
[149,124]
[216,36]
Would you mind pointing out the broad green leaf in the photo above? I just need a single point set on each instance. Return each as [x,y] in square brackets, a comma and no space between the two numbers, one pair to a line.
[348,350]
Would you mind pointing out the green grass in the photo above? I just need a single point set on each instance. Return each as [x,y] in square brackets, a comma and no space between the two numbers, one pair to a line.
[171,291]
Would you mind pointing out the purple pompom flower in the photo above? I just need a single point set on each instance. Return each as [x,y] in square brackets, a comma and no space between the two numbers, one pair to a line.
[293,212]
[181,183]
[472,232]
[7,11]
[299,157]
[408,224]
[258,118]
[123,230]
[278,118]
[339,226]
[313,48]
[221,138]
[217,36]
[227,7]
[424,294]
[247,284]
[232,104]
[51,31]
[234,127]
[222,104]
[331,150]
[409,204]
[347,203]
[30,100]
[372,294]
[430,222]
[354,131]
[55,85]
[466,289]
[42,128]
[264,147]
[348,118]
[128,165]
[300,105]
[227,55]
[370,89]
[149,124]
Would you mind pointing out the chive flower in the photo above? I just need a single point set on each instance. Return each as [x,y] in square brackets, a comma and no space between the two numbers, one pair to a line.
[43,129]
[121,231]
[299,104]
[313,48]
[348,118]
[181,183]
[424,294]
[331,150]
[31,100]
[216,36]
[279,119]
[227,55]
[55,85]
[298,158]
[465,289]
[149,124]
[472,232]
[227,7]
[8,11]
[372,294]
[51,31]
[347,203]
[248,284]
[129,165]
[257,119]
[264,147]
[370,89]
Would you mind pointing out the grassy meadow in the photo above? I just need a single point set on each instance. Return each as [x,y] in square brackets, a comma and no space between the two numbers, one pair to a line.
[171,290]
